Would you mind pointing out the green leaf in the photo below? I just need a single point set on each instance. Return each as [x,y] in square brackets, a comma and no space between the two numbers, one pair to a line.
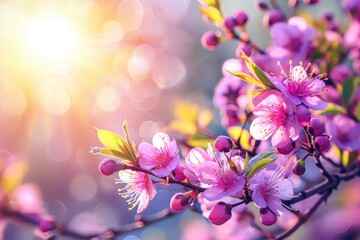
[357,111]
[246,164]
[199,140]
[249,79]
[213,13]
[348,90]
[112,153]
[258,166]
[348,158]
[130,145]
[256,71]
[112,140]
[333,109]
[254,163]
[213,3]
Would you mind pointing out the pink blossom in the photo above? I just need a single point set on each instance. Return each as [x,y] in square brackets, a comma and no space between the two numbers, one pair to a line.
[139,189]
[274,117]
[345,132]
[301,88]
[222,179]
[162,157]
[270,191]
[214,172]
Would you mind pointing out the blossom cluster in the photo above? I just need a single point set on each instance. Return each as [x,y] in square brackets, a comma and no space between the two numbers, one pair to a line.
[294,102]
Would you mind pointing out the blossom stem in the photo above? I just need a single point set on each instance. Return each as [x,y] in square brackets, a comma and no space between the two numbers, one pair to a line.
[323,187]
[305,217]
[108,234]
[168,179]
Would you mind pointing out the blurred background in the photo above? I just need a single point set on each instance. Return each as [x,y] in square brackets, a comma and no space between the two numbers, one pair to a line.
[67,66]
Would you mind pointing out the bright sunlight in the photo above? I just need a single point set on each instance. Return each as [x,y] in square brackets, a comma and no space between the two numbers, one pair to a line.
[50,38]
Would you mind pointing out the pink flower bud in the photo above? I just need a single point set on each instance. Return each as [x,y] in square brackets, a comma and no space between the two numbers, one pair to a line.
[311,1]
[261,5]
[340,73]
[47,224]
[109,166]
[303,115]
[220,213]
[210,40]
[230,23]
[322,143]
[241,18]
[180,201]
[267,217]
[272,17]
[316,127]
[246,48]
[223,144]
[287,148]
[179,173]
[299,167]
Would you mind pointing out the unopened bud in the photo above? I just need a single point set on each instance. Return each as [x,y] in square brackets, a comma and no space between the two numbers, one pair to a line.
[267,217]
[311,1]
[316,127]
[47,224]
[210,40]
[261,5]
[287,148]
[303,115]
[272,17]
[322,143]
[230,23]
[109,166]
[241,18]
[180,201]
[299,167]
[220,213]
[179,173]
[243,47]
[223,144]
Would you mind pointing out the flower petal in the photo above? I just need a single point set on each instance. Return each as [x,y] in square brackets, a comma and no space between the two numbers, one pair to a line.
[314,102]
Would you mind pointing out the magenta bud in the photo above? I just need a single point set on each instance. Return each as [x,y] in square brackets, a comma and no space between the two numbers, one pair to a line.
[261,5]
[223,144]
[322,143]
[109,166]
[267,217]
[316,127]
[327,16]
[230,23]
[311,1]
[241,18]
[220,213]
[210,40]
[340,73]
[246,48]
[287,148]
[47,224]
[272,17]
[179,173]
[303,115]
[180,201]
[299,167]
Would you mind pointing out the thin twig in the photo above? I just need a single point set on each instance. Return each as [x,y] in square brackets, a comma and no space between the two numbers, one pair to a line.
[305,217]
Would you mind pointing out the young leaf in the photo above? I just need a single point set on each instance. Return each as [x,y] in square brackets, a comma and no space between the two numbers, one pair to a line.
[249,79]
[258,166]
[348,90]
[253,165]
[113,153]
[213,13]
[348,158]
[357,111]
[257,72]
[333,109]
[130,144]
[246,164]
[111,140]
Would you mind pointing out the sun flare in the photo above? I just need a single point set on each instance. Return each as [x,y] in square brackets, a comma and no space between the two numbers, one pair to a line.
[51,38]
